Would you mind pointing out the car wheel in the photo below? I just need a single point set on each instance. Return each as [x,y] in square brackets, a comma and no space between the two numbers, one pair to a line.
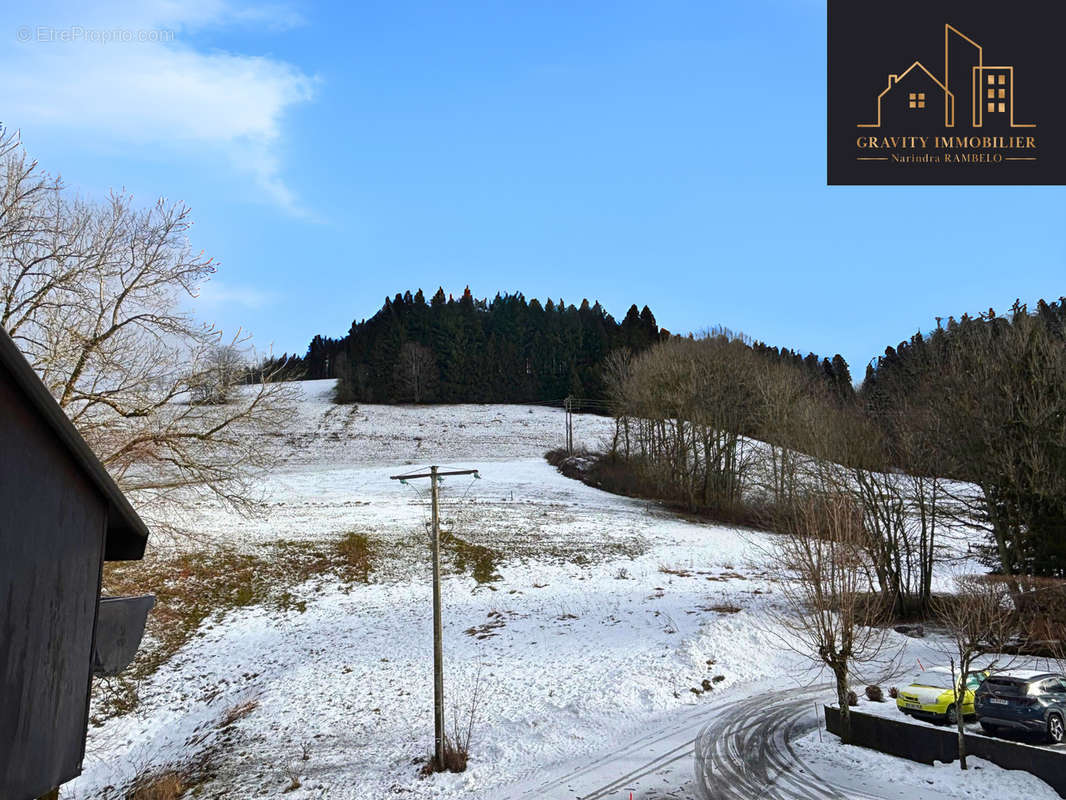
[952,716]
[1056,731]
[989,728]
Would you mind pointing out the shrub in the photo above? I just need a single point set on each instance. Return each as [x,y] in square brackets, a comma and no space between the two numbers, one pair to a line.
[455,758]
[557,456]
[853,699]
[893,692]
[457,746]
[168,785]
[292,775]
[874,694]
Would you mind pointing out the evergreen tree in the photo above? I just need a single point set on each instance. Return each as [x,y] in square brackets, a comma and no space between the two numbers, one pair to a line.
[507,350]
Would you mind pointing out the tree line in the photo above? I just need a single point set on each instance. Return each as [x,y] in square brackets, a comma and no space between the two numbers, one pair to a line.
[507,350]
[964,426]
[871,491]
[449,350]
[981,399]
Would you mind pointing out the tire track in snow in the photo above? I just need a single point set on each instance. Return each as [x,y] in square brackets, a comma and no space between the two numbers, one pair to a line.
[668,754]
[621,766]
[746,753]
[740,750]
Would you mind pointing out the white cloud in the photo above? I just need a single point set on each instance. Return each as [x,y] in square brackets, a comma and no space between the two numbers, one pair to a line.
[273,17]
[215,294]
[162,91]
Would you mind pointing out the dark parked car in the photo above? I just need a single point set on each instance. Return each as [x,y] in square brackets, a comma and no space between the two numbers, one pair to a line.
[1023,700]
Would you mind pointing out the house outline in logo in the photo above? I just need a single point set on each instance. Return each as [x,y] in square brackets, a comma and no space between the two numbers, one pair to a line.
[991,89]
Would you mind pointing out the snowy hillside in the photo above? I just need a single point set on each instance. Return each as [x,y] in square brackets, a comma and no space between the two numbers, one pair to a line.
[592,622]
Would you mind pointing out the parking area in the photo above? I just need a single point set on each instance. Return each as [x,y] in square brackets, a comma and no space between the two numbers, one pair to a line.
[881,727]
[889,710]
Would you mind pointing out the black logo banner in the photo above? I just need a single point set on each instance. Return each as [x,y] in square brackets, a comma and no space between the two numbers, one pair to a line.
[928,92]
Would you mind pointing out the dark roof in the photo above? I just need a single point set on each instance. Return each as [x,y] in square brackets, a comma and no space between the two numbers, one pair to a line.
[126,532]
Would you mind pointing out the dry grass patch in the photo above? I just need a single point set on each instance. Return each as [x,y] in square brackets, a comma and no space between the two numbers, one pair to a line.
[488,629]
[237,713]
[480,561]
[724,608]
[678,571]
[355,553]
[168,785]
[192,589]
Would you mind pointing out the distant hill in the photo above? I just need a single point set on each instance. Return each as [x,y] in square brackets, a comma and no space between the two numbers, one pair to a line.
[507,350]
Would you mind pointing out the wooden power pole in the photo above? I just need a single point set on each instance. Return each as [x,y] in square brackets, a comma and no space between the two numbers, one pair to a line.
[569,425]
[434,476]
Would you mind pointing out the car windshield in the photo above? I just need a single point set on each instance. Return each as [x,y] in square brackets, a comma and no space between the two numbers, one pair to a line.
[1007,686]
[935,679]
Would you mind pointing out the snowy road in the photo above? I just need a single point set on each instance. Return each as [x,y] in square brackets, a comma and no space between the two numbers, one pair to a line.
[773,746]
[655,765]
[767,744]
[745,751]
[721,751]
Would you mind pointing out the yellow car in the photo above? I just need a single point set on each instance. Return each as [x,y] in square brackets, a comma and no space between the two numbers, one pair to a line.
[930,695]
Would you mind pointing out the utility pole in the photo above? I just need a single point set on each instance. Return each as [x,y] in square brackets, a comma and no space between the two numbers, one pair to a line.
[569,425]
[438,631]
[434,476]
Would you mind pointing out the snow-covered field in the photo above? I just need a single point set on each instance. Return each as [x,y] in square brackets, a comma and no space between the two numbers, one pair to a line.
[592,625]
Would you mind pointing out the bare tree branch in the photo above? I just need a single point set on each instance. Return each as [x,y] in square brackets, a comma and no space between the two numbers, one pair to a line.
[93,294]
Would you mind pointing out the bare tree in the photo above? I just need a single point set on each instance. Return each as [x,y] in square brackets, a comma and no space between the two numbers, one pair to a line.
[416,371]
[901,513]
[685,406]
[617,367]
[786,402]
[93,295]
[980,618]
[223,371]
[830,611]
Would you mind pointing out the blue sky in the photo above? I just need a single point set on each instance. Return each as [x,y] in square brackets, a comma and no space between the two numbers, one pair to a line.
[668,153]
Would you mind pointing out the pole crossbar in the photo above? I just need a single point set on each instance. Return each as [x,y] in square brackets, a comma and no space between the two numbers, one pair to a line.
[431,474]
